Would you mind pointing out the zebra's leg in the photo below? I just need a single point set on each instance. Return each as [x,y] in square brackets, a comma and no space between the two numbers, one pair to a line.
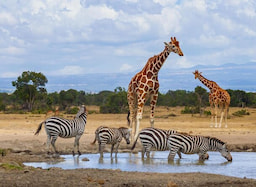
[143,152]
[179,154]
[53,144]
[48,144]
[112,148]
[117,145]
[76,144]
[202,156]
[148,148]
[172,154]
[101,148]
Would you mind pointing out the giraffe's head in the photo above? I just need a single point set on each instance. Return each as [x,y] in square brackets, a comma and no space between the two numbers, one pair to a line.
[173,46]
[197,73]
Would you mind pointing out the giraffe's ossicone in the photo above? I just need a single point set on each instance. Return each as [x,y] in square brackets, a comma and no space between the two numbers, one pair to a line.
[145,85]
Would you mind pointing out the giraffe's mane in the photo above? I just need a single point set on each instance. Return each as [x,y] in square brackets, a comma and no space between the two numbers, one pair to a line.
[210,80]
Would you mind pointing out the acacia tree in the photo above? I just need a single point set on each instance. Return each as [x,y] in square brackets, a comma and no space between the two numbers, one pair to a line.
[28,86]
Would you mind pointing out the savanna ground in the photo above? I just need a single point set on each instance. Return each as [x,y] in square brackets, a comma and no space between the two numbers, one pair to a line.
[18,144]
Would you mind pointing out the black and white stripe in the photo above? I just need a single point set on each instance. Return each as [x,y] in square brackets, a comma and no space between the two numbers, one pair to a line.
[113,136]
[65,128]
[153,138]
[189,144]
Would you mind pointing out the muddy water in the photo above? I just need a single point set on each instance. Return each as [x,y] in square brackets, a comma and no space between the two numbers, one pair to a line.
[243,164]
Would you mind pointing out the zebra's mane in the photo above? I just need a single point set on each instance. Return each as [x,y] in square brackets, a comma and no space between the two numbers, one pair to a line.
[122,128]
[81,111]
[185,133]
[215,139]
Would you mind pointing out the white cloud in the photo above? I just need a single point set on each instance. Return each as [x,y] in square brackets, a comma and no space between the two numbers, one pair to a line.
[126,68]
[69,70]
[97,34]
[7,18]
[12,50]
[9,75]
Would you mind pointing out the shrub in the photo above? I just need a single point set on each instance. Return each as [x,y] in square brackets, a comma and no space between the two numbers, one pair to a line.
[241,113]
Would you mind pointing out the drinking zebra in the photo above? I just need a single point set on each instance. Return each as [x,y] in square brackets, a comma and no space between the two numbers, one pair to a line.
[113,136]
[153,138]
[65,128]
[189,144]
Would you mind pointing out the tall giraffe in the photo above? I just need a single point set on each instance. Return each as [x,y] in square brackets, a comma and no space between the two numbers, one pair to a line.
[218,97]
[145,84]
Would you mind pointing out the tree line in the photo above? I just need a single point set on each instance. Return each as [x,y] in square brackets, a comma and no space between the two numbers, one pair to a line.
[31,95]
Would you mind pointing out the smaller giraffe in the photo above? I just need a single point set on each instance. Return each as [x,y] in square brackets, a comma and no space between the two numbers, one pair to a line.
[218,97]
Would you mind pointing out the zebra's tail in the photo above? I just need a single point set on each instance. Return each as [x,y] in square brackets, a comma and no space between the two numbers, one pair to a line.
[134,144]
[39,128]
[128,118]
[94,140]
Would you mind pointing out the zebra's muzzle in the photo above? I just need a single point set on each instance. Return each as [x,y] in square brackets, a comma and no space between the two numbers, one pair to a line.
[229,158]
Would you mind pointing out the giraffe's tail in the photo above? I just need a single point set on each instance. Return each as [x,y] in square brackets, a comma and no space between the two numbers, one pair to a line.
[128,118]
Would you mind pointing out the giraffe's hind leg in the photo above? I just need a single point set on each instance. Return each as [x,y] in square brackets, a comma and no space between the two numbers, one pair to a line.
[153,101]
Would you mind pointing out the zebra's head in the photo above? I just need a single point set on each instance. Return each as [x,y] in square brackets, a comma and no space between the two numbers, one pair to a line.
[81,111]
[126,134]
[225,153]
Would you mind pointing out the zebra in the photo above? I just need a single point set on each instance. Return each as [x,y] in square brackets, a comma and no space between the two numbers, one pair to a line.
[113,136]
[65,128]
[190,144]
[153,138]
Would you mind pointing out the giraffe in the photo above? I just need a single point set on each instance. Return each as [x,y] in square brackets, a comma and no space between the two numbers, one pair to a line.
[145,85]
[218,97]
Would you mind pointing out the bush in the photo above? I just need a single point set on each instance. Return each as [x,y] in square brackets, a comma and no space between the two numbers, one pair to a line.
[73,110]
[241,113]
[190,110]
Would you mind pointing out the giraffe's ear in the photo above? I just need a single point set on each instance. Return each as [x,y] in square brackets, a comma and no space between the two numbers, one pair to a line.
[166,44]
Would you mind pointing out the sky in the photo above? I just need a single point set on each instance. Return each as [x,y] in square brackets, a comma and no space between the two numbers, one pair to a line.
[77,37]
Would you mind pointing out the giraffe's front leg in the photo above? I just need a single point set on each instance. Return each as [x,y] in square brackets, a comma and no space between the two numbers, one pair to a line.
[153,101]
[131,117]
[221,116]
[141,102]
[216,114]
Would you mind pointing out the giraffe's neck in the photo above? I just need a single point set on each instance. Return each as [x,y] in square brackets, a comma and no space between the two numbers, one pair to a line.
[206,82]
[156,62]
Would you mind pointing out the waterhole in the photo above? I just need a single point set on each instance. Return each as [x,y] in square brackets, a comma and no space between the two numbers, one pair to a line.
[243,164]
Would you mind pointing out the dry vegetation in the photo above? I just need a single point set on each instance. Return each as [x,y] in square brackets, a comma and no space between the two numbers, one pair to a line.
[17,135]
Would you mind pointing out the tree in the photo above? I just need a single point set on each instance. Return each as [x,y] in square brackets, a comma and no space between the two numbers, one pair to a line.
[29,86]
[116,102]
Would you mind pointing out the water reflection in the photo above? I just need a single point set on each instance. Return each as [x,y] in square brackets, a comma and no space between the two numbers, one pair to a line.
[243,165]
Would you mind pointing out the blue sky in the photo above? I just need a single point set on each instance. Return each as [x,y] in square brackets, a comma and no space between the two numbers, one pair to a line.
[76,37]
